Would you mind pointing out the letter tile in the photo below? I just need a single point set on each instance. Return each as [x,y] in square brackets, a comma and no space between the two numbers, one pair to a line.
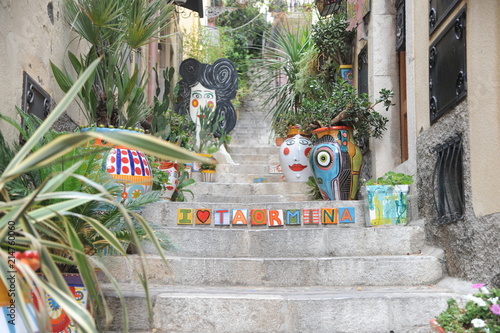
[203,216]
[221,217]
[329,215]
[347,215]
[275,218]
[258,217]
[311,216]
[240,216]
[185,216]
[293,216]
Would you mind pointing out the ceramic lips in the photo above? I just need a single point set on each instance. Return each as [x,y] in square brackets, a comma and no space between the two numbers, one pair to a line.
[294,158]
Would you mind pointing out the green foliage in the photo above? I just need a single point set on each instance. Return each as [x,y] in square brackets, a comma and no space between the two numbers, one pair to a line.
[208,166]
[115,30]
[206,44]
[343,107]
[165,122]
[41,220]
[480,314]
[181,190]
[313,188]
[392,178]
[246,27]
[210,141]
[283,52]
[333,40]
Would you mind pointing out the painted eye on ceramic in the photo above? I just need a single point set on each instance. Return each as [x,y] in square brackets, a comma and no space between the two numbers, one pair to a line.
[195,103]
[290,142]
[209,95]
[305,142]
[324,157]
[196,95]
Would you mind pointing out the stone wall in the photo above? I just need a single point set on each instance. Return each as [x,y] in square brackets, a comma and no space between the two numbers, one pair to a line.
[471,245]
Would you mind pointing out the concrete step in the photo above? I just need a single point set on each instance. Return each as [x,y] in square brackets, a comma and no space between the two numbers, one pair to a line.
[411,270]
[292,242]
[243,149]
[245,178]
[242,199]
[164,213]
[242,158]
[178,309]
[239,189]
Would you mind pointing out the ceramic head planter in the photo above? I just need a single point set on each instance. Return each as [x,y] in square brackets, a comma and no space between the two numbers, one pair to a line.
[212,86]
[294,159]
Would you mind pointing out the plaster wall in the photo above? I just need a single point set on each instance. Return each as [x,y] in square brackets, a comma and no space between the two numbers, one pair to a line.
[383,73]
[471,244]
[483,68]
[31,35]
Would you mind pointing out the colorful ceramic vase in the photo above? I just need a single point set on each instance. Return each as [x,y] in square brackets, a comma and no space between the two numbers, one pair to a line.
[387,204]
[172,171]
[336,163]
[11,319]
[59,320]
[128,167]
[347,74]
[293,157]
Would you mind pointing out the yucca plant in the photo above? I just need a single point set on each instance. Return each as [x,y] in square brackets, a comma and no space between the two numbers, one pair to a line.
[115,30]
[284,49]
[41,220]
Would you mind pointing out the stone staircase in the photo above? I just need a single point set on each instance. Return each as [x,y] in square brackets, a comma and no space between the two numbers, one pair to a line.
[333,278]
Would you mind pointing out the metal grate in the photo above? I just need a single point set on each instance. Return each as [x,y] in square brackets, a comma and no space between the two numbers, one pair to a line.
[35,100]
[448,68]
[448,181]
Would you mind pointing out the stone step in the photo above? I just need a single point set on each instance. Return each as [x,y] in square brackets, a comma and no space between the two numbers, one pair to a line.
[252,141]
[247,178]
[242,158]
[243,149]
[291,310]
[239,189]
[293,242]
[165,213]
[231,198]
[410,270]
[233,169]
[250,178]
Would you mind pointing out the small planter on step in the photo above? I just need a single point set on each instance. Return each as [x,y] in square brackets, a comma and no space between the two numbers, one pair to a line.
[208,171]
[386,199]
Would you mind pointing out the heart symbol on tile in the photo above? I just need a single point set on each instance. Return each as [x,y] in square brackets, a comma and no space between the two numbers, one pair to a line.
[203,215]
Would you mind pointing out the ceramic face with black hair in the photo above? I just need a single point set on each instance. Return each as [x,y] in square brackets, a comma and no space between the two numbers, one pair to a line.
[212,86]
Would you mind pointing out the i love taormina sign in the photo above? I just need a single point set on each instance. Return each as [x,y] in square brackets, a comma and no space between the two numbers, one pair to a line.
[269,217]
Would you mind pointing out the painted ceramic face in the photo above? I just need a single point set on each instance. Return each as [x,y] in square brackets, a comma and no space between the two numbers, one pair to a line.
[294,158]
[201,97]
[326,163]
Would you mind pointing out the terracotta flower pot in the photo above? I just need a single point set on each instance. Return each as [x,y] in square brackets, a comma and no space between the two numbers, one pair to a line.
[435,327]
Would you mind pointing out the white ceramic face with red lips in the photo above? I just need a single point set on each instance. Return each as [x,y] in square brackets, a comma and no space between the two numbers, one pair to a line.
[294,159]
[200,97]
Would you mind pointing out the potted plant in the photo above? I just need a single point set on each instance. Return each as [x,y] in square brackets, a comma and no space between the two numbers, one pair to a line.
[387,199]
[335,45]
[39,220]
[114,97]
[208,171]
[338,122]
[278,73]
[480,314]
